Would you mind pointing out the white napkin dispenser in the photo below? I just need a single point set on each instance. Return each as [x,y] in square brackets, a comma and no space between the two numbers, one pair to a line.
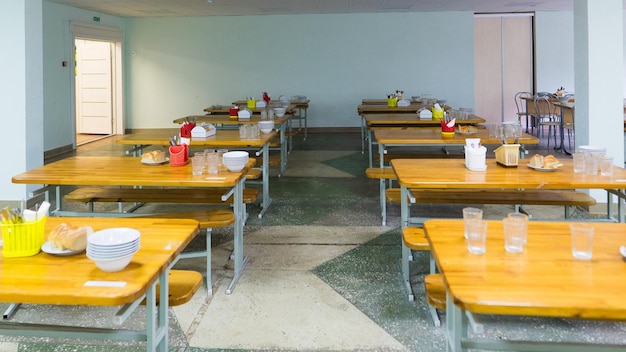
[425,114]
[244,114]
[404,102]
[475,158]
[261,104]
[203,131]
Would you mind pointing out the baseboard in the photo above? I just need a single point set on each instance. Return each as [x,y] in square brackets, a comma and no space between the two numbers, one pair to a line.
[309,130]
[57,151]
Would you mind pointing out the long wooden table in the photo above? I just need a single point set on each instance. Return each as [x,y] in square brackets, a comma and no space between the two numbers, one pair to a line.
[281,123]
[129,171]
[221,139]
[302,108]
[396,121]
[451,174]
[75,280]
[429,137]
[545,281]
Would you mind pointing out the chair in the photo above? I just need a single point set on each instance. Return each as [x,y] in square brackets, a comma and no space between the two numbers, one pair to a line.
[546,116]
[568,125]
[521,103]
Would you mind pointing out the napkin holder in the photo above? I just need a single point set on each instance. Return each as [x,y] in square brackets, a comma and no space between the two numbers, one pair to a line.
[403,103]
[203,131]
[475,155]
[438,114]
[392,102]
[251,103]
[179,155]
[261,104]
[244,114]
[425,114]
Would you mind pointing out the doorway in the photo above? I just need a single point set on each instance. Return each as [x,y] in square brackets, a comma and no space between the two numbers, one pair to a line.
[503,64]
[96,82]
[94,110]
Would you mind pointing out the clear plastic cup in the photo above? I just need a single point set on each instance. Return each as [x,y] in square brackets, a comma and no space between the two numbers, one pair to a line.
[514,235]
[197,164]
[606,165]
[582,240]
[212,162]
[470,214]
[579,162]
[477,236]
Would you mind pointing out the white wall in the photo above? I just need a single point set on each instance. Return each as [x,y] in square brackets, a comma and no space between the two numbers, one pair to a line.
[58,47]
[555,51]
[179,66]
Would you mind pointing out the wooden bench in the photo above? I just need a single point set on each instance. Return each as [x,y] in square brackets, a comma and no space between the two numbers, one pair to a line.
[414,238]
[182,285]
[92,195]
[566,198]
[207,219]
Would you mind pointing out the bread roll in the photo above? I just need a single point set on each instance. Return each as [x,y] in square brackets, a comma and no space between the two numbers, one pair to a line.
[536,161]
[67,236]
[551,162]
[155,156]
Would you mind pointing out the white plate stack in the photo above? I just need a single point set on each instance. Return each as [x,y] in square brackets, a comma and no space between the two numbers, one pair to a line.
[235,161]
[112,249]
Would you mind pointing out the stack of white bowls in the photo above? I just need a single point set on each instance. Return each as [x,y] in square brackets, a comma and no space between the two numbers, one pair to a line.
[112,249]
[280,112]
[235,161]
[266,126]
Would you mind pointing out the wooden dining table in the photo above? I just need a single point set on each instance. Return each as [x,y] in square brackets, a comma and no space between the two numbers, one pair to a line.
[221,139]
[451,174]
[299,109]
[130,172]
[75,280]
[221,120]
[432,137]
[396,121]
[543,281]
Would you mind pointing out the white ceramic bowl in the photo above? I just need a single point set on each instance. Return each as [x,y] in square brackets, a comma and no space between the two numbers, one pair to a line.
[112,265]
[266,126]
[280,112]
[117,236]
[235,157]
[564,99]
[235,167]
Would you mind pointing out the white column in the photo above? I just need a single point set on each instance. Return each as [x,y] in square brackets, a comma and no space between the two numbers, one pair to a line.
[21,92]
[599,71]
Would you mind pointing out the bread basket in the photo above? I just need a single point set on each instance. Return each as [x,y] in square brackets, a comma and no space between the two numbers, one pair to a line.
[507,155]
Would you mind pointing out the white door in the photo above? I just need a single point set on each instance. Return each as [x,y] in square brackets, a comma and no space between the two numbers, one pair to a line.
[503,65]
[94,113]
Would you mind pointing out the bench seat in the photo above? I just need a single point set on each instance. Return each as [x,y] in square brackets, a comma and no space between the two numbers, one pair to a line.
[182,285]
[207,219]
[155,195]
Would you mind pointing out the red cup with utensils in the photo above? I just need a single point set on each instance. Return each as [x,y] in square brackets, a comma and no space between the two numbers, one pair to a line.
[447,127]
[179,155]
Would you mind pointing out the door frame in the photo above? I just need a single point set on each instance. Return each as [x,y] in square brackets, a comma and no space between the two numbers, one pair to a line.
[89,31]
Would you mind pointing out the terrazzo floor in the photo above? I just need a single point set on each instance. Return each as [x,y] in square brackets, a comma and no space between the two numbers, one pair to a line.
[323,274]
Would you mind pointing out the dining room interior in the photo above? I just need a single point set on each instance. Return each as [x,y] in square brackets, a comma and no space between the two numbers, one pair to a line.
[323,266]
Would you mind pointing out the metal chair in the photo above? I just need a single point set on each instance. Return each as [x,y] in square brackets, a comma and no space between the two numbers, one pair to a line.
[521,101]
[546,116]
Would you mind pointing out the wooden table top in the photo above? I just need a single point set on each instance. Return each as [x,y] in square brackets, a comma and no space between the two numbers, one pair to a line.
[452,173]
[382,108]
[221,138]
[373,119]
[124,171]
[226,120]
[49,279]
[427,135]
[544,280]
[296,103]
[225,109]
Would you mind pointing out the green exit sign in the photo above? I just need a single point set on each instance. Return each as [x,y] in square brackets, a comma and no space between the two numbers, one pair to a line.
[96,19]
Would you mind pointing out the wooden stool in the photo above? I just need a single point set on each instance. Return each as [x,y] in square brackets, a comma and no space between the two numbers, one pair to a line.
[435,295]
[182,285]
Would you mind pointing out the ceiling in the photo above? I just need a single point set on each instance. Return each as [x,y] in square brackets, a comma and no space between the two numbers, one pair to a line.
[178,8]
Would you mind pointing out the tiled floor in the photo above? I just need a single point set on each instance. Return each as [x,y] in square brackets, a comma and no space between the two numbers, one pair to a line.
[323,274]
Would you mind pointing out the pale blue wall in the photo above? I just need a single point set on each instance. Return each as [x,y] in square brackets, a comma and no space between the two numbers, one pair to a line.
[58,47]
[555,51]
[179,66]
